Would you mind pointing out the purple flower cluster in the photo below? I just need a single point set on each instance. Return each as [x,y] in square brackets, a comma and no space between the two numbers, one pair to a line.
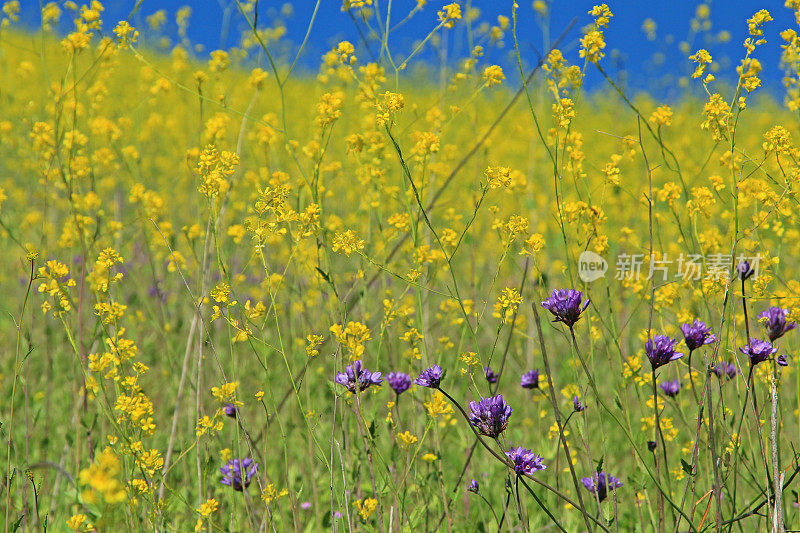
[577,405]
[238,473]
[230,410]
[599,483]
[723,369]
[430,377]
[355,376]
[566,305]
[671,388]
[774,319]
[758,351]
[697,334]
[530,379]
[398,381]
[490,415]
[744,270]
[525,461]
[660,350]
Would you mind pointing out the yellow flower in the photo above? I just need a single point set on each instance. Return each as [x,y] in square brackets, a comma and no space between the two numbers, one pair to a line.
[366,507]
[437,405]
[208,507]
[387,106]
[662,116]
[126,34]
[313,342]
[347,243]
[225,393]
[563,112]
[449,14]
[733,443]
[220,60]
[352,337]
[602,15]
[100,479]
[552,431]
[498,176]
[703,59]
[406,439]
[355,4]
[533,244]
[493,75]
[755,22]
[570,391]
[592,45]
[271,493]
[329,108]
[718,115]
[78,522]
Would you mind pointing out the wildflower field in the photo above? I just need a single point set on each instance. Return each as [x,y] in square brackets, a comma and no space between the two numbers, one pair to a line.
[394,288]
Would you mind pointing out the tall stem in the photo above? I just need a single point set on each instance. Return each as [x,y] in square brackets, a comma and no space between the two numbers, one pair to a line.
[691,378]
[746,321]
[659,438]
[777,476]
[368,449]
[738,437]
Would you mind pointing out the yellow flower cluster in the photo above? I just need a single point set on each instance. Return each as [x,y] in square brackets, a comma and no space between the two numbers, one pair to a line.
[351,337]
[214,168]
[449,15]
[101,483]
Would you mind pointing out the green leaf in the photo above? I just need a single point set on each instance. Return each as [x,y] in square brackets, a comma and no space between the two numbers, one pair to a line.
[687,467]
[326,519]
[608,511]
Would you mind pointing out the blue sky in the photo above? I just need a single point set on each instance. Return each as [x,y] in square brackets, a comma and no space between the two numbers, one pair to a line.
[648,64]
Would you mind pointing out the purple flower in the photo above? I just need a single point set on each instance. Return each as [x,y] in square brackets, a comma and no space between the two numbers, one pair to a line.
[697,334]
[355,376]
[490,415]
[530,380]
[491,377]
[305,506]
[238,473]
[723,369]
[781,360]
[599,484]
[661,350]
[525,461]
[398,381]
[566,306]
[774,319]
[743,270]
[652,445]
[577,405]
[473,486]
[230,410]
[758,351]
[430,377]
[671,388]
